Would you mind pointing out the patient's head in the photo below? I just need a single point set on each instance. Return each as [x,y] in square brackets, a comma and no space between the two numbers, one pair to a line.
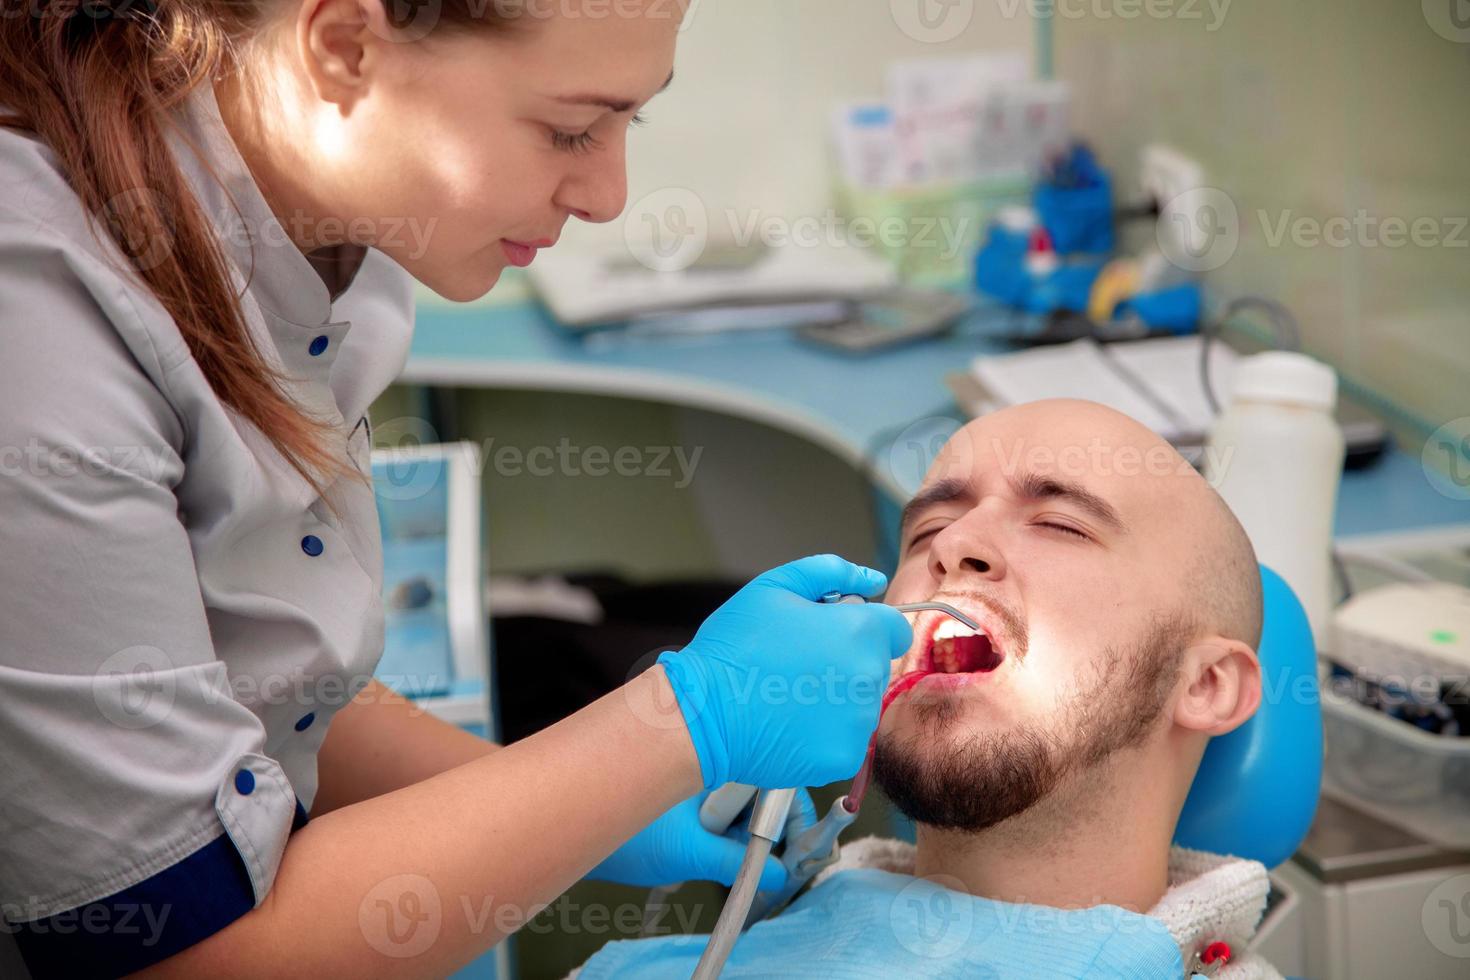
[1122,604]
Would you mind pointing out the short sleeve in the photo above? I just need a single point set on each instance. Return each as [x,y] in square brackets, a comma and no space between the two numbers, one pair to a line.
[139,812]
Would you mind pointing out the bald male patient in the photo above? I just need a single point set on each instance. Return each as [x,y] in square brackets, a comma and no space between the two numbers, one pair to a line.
[1120,603]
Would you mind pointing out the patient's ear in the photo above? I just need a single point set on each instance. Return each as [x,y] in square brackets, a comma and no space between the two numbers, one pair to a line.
[1220,686]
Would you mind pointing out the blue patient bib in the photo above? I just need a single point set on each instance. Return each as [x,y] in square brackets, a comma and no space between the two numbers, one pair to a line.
[869,923]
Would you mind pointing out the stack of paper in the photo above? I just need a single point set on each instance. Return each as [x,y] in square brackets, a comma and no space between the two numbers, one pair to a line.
[590,289]
[1156,381]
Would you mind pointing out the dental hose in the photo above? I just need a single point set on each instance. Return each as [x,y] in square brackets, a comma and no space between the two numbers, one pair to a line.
[732,916]
[766,821]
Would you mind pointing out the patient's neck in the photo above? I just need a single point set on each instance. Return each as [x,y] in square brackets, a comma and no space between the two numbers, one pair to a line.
[1104,842]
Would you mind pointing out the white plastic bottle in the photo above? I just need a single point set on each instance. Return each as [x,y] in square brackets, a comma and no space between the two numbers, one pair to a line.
[1275,455]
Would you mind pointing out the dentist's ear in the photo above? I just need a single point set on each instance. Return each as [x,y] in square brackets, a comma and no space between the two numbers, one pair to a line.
[340,43]
[1220,686]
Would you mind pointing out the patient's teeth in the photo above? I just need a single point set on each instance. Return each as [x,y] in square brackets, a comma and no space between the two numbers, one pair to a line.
[951,628]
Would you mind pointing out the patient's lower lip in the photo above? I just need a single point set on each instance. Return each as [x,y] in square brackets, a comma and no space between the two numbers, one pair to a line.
[951,681]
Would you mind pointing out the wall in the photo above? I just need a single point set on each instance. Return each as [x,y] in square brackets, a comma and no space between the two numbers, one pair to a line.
[745,123]
[1310,116]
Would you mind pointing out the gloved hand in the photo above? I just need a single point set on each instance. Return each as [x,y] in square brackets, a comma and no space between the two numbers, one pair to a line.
[676,847]
[778,689]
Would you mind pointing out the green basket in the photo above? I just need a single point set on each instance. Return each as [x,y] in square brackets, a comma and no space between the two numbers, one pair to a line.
[931,233]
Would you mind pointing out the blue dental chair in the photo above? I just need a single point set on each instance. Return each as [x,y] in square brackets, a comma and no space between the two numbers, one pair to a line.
[1256,790]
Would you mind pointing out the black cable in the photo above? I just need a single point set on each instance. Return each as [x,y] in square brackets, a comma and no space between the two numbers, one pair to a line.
[1339,568]
[1283,325]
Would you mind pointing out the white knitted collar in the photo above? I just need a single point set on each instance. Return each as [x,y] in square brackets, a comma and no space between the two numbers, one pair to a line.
[1211,897]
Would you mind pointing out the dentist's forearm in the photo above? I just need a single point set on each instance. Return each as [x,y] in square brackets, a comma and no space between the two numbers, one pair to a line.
[487,844]
[382,742]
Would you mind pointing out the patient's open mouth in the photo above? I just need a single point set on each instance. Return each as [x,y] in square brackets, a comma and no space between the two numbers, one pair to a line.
[956,649]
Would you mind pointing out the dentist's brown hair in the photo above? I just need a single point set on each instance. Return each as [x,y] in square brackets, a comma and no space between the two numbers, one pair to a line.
[96,80]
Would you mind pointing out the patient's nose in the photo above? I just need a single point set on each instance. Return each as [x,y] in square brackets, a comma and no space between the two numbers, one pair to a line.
[965,553]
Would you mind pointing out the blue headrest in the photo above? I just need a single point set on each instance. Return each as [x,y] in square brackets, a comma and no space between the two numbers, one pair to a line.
[1256,790]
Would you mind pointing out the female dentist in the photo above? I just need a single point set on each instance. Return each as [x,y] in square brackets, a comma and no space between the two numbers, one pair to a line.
[212,209]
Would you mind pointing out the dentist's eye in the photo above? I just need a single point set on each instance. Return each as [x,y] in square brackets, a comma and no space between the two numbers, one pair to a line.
[574,142]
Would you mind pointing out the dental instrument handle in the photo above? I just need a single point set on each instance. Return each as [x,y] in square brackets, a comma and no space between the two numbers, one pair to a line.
[719,810]
[766,822]
[813,849]
[769,816]
[910,607]
[943,607]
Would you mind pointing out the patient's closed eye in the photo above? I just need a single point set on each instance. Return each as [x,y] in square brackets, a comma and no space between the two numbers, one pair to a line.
[922,536]
[1064,528]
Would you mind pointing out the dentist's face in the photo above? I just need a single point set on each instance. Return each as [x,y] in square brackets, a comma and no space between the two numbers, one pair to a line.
[468,148]
[1063,528]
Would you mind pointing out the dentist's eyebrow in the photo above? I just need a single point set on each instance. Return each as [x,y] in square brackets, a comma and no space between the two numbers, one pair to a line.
[607,101]
[1031,486]
[934,494]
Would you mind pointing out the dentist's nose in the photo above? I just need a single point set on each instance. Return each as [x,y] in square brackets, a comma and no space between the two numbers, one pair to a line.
[598,192]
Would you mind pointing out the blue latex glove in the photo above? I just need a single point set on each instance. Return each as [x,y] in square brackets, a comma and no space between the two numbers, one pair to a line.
[676,848]
[780,690]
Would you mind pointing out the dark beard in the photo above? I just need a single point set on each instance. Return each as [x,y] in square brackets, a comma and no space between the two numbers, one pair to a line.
[994,776]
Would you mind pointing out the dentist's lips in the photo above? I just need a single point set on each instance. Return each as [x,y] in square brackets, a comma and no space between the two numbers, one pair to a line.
[522,254]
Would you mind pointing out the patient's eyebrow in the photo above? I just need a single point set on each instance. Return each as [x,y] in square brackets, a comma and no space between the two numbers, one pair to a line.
[1031,486]
[941,492]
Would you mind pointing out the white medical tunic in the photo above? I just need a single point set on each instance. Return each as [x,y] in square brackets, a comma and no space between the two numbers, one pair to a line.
[180,613]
